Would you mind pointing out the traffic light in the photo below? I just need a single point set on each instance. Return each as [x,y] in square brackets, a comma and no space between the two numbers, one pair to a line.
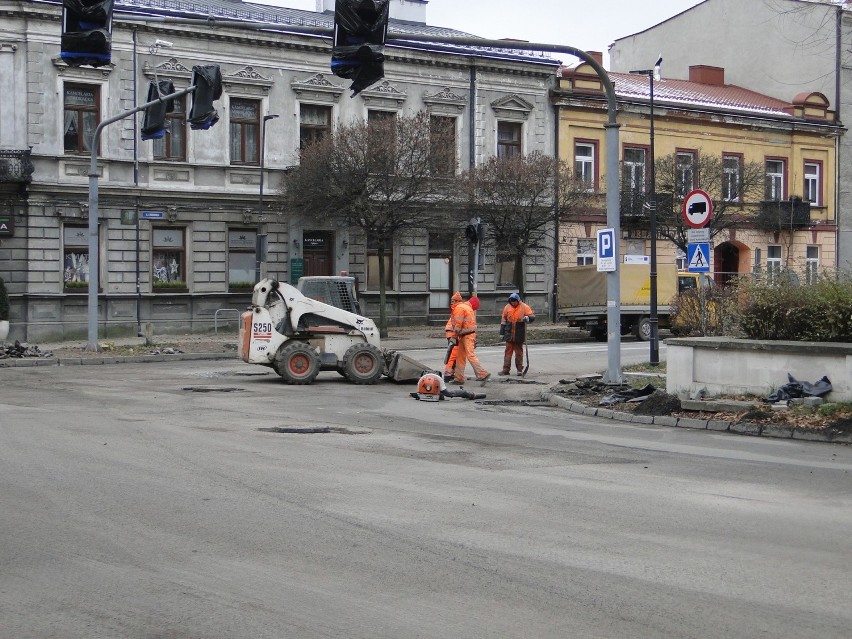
[86,32]
[474,231]
[207,81]
[154,122]
[360,29]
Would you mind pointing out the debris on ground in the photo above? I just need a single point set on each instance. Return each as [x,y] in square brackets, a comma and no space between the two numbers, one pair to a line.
[20,350]
[628,394]
[658,403]
[794,389]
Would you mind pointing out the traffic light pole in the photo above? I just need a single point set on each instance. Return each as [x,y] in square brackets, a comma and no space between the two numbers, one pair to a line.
[94,280]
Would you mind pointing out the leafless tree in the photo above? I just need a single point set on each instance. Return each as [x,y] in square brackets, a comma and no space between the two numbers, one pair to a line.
[735,193]
[514,197]
[387,178]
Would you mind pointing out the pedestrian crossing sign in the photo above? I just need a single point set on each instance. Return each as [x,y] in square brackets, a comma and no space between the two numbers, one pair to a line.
[698,257]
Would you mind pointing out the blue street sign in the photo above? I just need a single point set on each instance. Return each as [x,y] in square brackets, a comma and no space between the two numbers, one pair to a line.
[698,257]
[153,215]
[606,250]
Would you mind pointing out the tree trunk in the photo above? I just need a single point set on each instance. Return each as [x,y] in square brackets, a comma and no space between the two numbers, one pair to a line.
[519,274]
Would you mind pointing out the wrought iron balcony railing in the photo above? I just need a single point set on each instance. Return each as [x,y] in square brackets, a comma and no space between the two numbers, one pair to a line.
[779,215]
[16,166]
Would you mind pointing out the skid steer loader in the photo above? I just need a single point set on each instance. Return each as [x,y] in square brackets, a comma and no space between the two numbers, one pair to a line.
[298,337]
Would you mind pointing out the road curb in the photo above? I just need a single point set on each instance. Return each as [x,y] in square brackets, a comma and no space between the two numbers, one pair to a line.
[29,362]
[776,431]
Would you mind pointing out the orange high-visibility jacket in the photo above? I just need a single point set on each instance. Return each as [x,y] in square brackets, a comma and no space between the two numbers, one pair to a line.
[512,317]
[462,319]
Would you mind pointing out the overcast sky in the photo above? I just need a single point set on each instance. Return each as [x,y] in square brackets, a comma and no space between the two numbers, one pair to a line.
[590,25]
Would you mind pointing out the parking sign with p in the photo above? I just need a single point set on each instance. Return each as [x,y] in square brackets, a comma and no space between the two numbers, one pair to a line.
[606,250]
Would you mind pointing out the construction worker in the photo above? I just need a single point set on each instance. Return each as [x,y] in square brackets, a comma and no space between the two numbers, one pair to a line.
[513,331]
[452,350]
[463,325]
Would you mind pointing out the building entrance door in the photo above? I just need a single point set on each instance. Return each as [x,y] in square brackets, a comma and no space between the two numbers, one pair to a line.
[317,252]
[440,272]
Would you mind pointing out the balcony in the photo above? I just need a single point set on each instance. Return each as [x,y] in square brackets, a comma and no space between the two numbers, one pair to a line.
[784,215]
[635,210]
[15,167]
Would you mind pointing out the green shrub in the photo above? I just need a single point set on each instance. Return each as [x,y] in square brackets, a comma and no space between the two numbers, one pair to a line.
[4,301]
[173,284]
[779,308]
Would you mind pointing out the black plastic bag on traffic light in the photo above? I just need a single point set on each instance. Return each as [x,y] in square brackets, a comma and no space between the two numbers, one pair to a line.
[154,122]
[360,29]
[86,32]
[207,81]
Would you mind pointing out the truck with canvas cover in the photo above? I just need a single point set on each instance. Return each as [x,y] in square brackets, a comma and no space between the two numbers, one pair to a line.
[582,297]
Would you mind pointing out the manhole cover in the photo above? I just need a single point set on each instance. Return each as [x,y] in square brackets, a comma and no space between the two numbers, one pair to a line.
[212,389]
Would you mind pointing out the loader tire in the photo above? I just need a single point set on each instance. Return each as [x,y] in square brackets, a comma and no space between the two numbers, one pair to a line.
[297,363]
[363,364]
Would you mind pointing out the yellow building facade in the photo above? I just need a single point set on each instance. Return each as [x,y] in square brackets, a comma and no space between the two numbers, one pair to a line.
[787,221]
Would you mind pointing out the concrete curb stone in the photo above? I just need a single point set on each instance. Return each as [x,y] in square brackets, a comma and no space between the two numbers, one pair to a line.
[779,431]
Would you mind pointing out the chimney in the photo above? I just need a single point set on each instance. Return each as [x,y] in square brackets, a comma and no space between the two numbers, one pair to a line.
[597,55]
[703,74]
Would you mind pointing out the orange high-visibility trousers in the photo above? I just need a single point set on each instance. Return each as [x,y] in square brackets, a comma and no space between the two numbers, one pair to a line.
[466,352]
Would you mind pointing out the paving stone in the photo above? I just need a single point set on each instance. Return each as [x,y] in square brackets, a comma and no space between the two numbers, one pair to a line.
[718,425]
[809,435]
[621,416]
[590,410]
[686,422]
[642,419]
[665,420]
[746,428]
[778,430]
[605,412]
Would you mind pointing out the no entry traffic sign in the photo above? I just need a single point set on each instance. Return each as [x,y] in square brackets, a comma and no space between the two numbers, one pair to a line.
[697,208]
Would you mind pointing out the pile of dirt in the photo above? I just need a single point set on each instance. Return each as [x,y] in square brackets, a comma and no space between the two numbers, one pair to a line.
[658,403]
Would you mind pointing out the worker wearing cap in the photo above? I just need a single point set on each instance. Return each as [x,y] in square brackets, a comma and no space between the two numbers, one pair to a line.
[513,331]
[463,326]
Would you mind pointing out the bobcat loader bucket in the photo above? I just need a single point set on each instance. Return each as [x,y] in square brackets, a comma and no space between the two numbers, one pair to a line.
[402,368]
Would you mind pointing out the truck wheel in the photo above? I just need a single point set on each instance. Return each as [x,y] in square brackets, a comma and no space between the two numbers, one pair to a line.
[363,364]
[297,363]
[642,329]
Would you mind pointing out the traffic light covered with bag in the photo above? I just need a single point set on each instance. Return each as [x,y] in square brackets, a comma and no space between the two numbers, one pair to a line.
[154,122]
[360,29]
[207,81]
[86,32]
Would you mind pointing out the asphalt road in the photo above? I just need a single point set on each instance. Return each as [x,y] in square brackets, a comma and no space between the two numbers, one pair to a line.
[152,500]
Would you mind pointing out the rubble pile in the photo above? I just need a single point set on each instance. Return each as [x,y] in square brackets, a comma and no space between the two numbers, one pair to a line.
[20,350]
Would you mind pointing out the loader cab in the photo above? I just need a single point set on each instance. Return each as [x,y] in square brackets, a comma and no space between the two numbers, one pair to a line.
[334,290]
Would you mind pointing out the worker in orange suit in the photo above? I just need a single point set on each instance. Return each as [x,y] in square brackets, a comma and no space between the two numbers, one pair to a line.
[463,325]
[452,350]
[513,331]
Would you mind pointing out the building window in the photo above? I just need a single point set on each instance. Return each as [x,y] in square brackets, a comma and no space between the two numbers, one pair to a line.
[680,260]
[373,266]
[633,170]
[731,177]
[505,270]
[82,115]
[314,123]
[813,182]
[773,260]
[774,180]
[168,258]
[245,131]
[172,146]
[685,172]
[811,264]
[76,257]
[374,116]
[444,133]
[242,257]
[508,139]
[585,251]
[584,164]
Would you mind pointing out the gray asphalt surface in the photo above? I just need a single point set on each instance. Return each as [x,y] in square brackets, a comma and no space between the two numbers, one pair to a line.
[137,506]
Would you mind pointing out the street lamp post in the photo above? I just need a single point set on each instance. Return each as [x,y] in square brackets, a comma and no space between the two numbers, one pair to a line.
[259,244]
[653,74]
